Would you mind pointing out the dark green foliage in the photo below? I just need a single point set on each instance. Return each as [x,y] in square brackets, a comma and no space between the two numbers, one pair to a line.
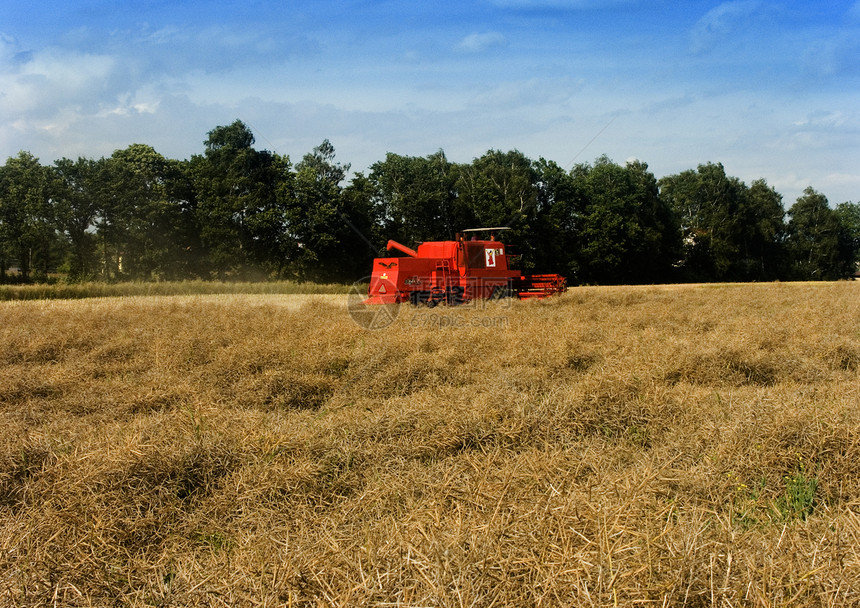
[763,252]
[416,197]
[813,238]
[607,223]
[848,215]
[147,226]
[628,233]
[238,213]
[497,189]
[26,217]
[74,188]
[329,229]
[731,232]
[500,189]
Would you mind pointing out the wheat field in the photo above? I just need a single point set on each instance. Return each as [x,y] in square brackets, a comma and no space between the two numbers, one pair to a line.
[614,446]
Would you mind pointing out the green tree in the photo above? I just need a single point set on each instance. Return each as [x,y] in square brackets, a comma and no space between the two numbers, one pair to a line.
[813,238]
[848,215]
[71,187]
[363,213]
[730,232]
[113,216]
[763,250]
[320,218]
[627,234]
[239,210]
[657,247]
[416,196]
[500,189]
[558,228]
[26,219]
[152,202]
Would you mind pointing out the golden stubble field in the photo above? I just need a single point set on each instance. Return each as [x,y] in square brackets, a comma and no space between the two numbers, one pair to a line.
[666,446]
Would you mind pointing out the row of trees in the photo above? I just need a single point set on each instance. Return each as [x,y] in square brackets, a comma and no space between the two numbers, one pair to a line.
[238,212]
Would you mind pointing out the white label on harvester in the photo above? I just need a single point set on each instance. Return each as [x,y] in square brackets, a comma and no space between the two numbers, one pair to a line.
[491,257]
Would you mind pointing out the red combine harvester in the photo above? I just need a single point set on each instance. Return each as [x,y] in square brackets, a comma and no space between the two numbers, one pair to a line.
[454,272]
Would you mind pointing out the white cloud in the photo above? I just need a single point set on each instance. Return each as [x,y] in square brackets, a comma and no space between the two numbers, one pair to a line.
[144,101]
[851,180]
[669,104]
[837,187]
[530,93]
[53,78]
[213,48]
[832,56]
[50,97]
[69,73]
[719,22]
[478,43]
[8,49]
[823,121]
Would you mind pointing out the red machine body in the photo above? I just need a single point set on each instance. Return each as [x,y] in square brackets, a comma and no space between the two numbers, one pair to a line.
[455,272]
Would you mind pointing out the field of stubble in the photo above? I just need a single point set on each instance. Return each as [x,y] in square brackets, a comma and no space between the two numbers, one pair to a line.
[666,446]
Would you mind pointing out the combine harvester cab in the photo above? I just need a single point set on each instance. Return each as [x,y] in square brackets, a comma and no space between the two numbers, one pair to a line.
[454,272]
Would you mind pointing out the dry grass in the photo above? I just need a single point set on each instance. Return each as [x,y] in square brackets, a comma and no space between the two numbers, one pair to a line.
[161,288]
[658,446]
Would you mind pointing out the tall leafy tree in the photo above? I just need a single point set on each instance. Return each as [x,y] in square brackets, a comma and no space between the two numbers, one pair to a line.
[557,230]
[158,224]
[707,202]
[26,218]
[363,214]
[113,216]
[813,238]
[763,252]
[72,187]
[416,196]
[500,189]
[321,222]
[730,232]
[239,211]
[848,215]
[627,233]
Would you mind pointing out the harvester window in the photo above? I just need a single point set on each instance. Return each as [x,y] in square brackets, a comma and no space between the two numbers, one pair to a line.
[475,255]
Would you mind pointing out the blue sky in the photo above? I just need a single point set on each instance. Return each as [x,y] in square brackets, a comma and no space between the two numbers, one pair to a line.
[770,89]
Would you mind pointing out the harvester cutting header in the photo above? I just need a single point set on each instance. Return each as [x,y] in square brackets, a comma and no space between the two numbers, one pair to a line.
[454,272]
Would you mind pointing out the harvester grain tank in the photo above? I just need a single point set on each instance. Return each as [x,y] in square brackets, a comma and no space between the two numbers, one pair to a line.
[454,272]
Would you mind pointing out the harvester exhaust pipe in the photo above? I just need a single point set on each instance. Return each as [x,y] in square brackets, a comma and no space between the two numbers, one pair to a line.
[395,245]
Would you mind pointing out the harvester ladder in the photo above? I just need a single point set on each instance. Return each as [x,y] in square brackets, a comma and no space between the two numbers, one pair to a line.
[441,276]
